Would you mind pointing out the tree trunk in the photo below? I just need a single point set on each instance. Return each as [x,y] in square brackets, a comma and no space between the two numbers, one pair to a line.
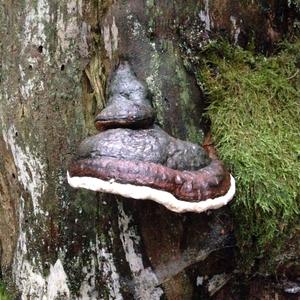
[56,59]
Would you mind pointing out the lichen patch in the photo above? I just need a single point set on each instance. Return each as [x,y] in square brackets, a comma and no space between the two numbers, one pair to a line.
[145,280]
[30,169]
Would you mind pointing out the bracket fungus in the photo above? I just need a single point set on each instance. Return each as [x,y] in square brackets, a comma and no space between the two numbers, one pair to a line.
[127,105]
[133,157]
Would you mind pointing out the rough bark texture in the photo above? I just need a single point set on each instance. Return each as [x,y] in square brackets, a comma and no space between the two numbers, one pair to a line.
[56,59]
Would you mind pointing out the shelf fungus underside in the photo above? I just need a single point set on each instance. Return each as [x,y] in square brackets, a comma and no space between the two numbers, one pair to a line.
[139,160]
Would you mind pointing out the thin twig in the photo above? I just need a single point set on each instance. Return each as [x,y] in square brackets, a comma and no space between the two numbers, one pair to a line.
[291,77]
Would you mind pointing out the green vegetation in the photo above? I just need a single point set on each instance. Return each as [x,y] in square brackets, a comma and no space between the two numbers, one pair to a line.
[3,293]
[255,114]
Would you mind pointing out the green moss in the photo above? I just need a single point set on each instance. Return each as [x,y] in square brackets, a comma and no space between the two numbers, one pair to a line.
[3,293]
[255,113]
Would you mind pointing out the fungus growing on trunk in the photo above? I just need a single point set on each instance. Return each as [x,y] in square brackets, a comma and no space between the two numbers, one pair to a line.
[128,105]
[134,158]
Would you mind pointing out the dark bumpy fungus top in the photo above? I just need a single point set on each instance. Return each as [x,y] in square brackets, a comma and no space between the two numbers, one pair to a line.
[147,145]
[134,158]
[128,105]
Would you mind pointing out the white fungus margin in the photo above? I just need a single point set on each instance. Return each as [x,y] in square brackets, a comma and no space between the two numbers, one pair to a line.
[147,193]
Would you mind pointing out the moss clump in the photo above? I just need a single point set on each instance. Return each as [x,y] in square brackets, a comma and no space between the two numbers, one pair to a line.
[255,114]
[3,293]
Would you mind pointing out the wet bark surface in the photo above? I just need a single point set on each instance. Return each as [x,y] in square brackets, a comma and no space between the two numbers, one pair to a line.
[56,60]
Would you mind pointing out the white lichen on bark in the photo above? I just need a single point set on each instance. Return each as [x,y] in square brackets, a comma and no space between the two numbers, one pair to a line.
[236,30]
[205,17]
[110,36]
[109,271]
[30,169]
[145,281]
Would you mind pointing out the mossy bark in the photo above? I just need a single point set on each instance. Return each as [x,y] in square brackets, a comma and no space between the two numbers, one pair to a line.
[58,243]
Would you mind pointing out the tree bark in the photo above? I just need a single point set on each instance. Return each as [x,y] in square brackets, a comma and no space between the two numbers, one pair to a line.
[56,60]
